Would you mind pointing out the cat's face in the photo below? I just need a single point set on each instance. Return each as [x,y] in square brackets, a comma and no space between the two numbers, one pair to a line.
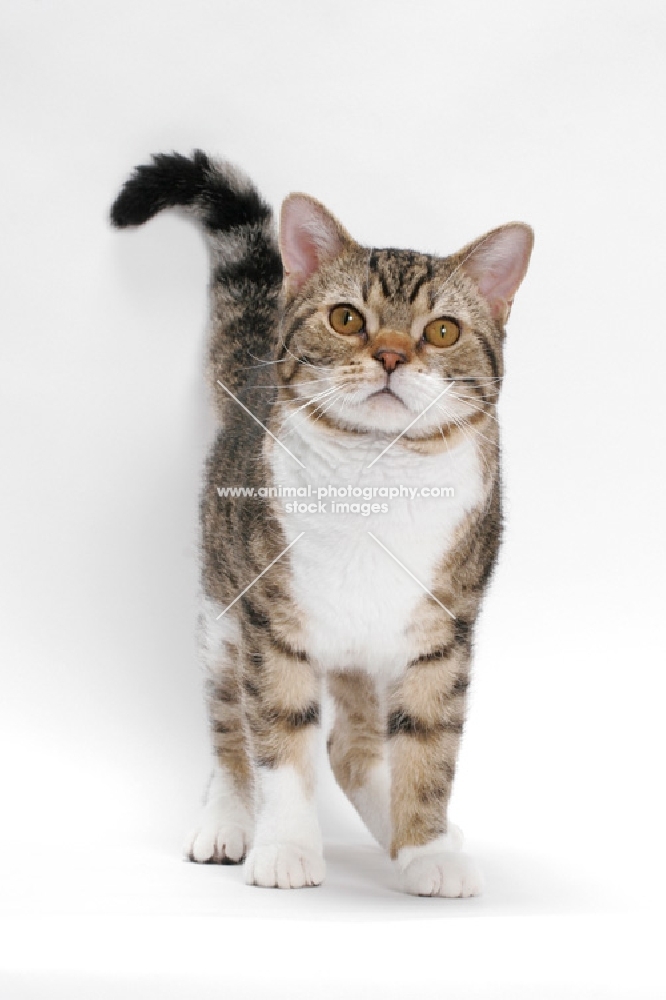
[390,340]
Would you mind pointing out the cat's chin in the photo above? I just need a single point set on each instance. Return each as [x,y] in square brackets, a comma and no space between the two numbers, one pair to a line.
[382,413]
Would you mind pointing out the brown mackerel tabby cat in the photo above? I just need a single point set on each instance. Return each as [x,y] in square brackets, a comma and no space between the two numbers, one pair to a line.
[376,374]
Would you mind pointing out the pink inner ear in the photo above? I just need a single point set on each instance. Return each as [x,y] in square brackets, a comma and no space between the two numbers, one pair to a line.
[498,265]
[309,236]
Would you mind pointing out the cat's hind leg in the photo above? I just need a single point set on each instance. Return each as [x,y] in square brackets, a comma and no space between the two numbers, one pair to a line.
[223,831]
[358,750]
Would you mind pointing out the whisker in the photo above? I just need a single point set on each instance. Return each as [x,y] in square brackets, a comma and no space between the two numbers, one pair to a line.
[329,404]
[300,361]
[262,363]
[430,378]
[323,378]
[294,428]
[464,428]
[310,400]
[479,409]
[470,427]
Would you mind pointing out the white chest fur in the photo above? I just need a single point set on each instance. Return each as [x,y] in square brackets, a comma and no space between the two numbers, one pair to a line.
[357,601]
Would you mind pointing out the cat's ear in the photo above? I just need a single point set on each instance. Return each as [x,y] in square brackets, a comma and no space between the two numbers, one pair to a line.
[309,237]
[497,264]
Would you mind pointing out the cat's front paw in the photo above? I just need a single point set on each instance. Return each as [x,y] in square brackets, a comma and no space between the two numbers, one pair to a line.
[447,873]
[217,842]
[284,866]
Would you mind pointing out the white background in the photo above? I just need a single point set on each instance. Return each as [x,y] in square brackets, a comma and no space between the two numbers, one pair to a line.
[419,124]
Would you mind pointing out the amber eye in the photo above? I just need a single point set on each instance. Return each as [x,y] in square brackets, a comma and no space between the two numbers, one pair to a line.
[346,319]
[442,332]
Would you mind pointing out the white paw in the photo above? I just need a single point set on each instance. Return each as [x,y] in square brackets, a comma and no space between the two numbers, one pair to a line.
[223,833]
[445,873]
[284,866]
[218,841]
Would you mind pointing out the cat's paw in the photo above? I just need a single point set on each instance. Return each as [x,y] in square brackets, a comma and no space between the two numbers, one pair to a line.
[445,873]
[284,866]
[223,832]
[217,842]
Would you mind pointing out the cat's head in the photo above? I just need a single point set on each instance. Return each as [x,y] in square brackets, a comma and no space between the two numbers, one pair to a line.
[381,339]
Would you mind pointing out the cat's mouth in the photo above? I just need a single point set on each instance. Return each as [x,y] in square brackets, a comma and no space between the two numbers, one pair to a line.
[385,392]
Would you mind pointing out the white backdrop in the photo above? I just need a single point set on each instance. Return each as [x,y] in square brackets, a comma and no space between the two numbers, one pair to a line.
[419,124]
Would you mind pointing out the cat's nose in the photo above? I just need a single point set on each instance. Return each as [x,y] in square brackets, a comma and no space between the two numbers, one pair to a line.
[390,358]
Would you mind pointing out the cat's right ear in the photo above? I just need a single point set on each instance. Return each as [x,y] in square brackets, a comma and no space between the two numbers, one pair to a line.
[309,237]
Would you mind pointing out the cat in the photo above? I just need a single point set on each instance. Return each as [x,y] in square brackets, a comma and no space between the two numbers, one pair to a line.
[332,364]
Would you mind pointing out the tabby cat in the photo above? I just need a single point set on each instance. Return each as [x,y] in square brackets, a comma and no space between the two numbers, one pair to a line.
[375,372]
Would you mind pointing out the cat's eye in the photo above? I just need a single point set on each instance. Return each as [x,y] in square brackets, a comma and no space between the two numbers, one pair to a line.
[346,319]
[443,332]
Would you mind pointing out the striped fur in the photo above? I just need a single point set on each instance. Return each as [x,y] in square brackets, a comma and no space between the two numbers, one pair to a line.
[399,695]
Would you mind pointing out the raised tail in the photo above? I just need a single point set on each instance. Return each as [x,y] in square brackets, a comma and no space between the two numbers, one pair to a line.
[246,269]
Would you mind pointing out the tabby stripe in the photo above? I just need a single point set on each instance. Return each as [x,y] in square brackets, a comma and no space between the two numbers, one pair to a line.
[259,265]
[418,285]
[298,320]
[470,382]
[294,718]
[462,631]
[401,722]
[489,353]
[255,617]
[286,649]
[259,620]
[483,576]
[225,696]
[433,793]
[420,282]
[250,688]
[440,653]
[374,268]
[297,362]
[221,729]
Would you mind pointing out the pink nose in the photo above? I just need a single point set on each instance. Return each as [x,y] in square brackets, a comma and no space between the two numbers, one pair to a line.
[390,359]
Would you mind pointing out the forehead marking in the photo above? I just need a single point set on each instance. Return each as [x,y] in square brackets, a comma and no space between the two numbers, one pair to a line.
[420,282]
[395,270]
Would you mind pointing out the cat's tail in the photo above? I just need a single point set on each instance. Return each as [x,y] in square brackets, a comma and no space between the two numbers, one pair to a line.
[246,269]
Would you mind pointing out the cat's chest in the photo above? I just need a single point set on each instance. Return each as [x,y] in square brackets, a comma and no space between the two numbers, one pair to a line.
[357,576]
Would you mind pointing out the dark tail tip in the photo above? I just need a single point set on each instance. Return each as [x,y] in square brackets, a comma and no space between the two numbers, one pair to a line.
[170,180]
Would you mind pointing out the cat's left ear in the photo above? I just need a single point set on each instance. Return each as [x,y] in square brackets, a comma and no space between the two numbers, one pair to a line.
[309,237]
[497,263]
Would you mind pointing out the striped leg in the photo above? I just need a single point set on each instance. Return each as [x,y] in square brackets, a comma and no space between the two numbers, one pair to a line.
[283,714]
[357,749]
[224,829]
[425,720]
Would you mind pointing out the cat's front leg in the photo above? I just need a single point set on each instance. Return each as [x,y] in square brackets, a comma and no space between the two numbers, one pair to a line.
[283,712]
[425,721]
